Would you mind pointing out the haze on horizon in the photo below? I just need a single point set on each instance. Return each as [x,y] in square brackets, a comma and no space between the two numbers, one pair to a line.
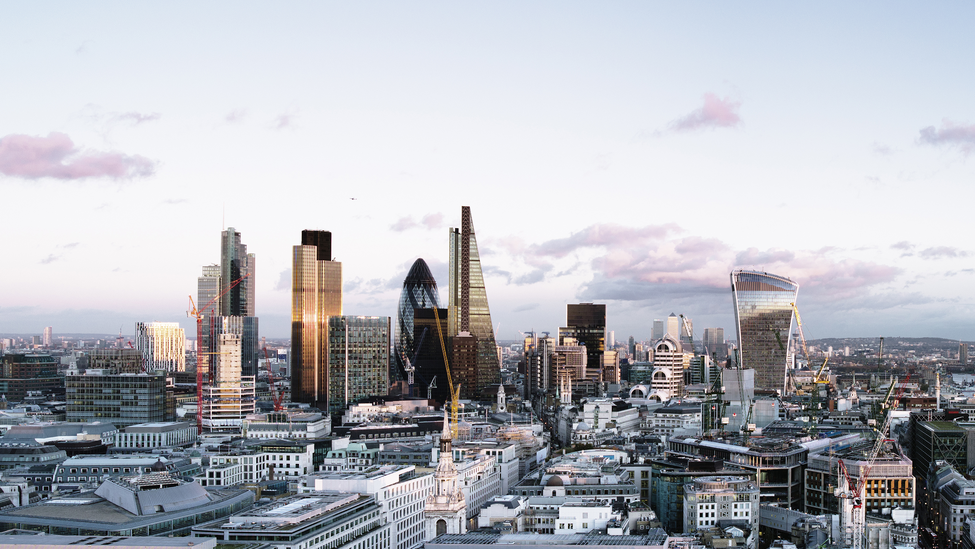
[630,153]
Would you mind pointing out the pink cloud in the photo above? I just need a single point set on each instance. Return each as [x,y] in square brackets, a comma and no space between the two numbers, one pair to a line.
[56,156]
[716,113]
[432,221]
[951,135]
[604,234]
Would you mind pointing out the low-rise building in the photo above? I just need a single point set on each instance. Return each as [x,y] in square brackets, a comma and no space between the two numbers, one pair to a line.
[721,500]
[681,419]
[399,491]
[28,452]
[37,540]
[291,425]
[260,460]
[590,474]
[143,436]
[314,520]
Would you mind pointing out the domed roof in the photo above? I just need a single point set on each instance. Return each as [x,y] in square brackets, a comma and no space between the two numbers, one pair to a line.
[158,466]
[419,274]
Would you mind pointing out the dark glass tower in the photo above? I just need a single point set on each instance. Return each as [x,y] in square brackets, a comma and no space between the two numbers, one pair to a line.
[763,319]
[586,322]
[419,292]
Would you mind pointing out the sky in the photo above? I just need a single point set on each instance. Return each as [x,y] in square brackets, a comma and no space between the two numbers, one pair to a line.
[627,153]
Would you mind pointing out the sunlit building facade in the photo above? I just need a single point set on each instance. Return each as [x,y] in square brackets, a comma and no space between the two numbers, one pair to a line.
[468,309]
[586,324]
[419,292]
[763,320]
[162,344]
[230,395]
[316,294]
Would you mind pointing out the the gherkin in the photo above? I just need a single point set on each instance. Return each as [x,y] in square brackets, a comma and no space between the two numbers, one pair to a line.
[419,292]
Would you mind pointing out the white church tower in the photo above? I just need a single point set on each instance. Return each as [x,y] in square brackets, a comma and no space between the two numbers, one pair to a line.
[502,405]
[446,509]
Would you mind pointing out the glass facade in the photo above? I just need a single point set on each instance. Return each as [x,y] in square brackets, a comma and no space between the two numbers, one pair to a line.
[468,309]
[763,319]
[316,294]
[235,262]
[162,344]
[358,359]
[586,322]
[419,292]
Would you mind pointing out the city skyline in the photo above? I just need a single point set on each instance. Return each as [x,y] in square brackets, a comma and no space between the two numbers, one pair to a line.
[833,159]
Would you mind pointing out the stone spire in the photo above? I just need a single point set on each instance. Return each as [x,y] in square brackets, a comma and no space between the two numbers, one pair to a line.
[446,507]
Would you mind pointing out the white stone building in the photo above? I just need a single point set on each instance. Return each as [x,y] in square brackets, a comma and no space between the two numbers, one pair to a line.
[708,500]
[445,509]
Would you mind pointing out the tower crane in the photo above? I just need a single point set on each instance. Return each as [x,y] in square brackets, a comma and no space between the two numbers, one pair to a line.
[410,366]
[687,328]
[275,394]
[802,336]
[851,489]
[454,391]
[198,314]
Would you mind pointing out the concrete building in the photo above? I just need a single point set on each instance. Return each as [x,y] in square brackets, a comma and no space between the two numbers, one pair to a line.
[254,461]
[589,474]
[669,363]
[48,541]
[313,520]
[147,505]
[147,436]
[229,396]
[116,361]
[681,419]
[15,454]
[890,482]
[777,462]
[399,491]
[710,501]
[288,425]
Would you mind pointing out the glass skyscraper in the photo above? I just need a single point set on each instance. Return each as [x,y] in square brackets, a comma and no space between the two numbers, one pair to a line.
[316,294]
[763,320]
[358,359]
[419,292]
[468,309]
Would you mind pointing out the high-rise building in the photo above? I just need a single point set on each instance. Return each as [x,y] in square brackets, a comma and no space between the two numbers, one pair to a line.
[358,359]
[658,329]
[162,344]
[316,294]
[714,344]
[419,292]
[468,309]
[235,263]
[586,323]
[48,336]
[669,364]
[229,396]
[673,326]
[963,354]
[763,321]
[208,289]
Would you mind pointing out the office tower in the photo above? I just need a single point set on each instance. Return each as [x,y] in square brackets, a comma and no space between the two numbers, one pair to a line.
[246,327]
[48,336]
[714,343]
[208,289]
[763,322]
[963,354]
[316,294]
[538,366]
[586,323]
[658,329]
[230,395]
[24,373]
[468,309]
[430,366]
[419,292]
[667,380]
[120,399]
[358,359]
[611,339]
[673,326]
[631,348]
[611,367]
[163,346]
[235,263]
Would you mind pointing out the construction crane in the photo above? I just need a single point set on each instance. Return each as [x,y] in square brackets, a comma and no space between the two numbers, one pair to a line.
[880,356]
[454,391]
[275,395]
[410,366]
[431,387]
[198,314]
[688,330]
[814,396]
[802,336]
[851,489]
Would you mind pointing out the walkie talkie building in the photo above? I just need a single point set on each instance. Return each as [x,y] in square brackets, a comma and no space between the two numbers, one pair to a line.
[763,320]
